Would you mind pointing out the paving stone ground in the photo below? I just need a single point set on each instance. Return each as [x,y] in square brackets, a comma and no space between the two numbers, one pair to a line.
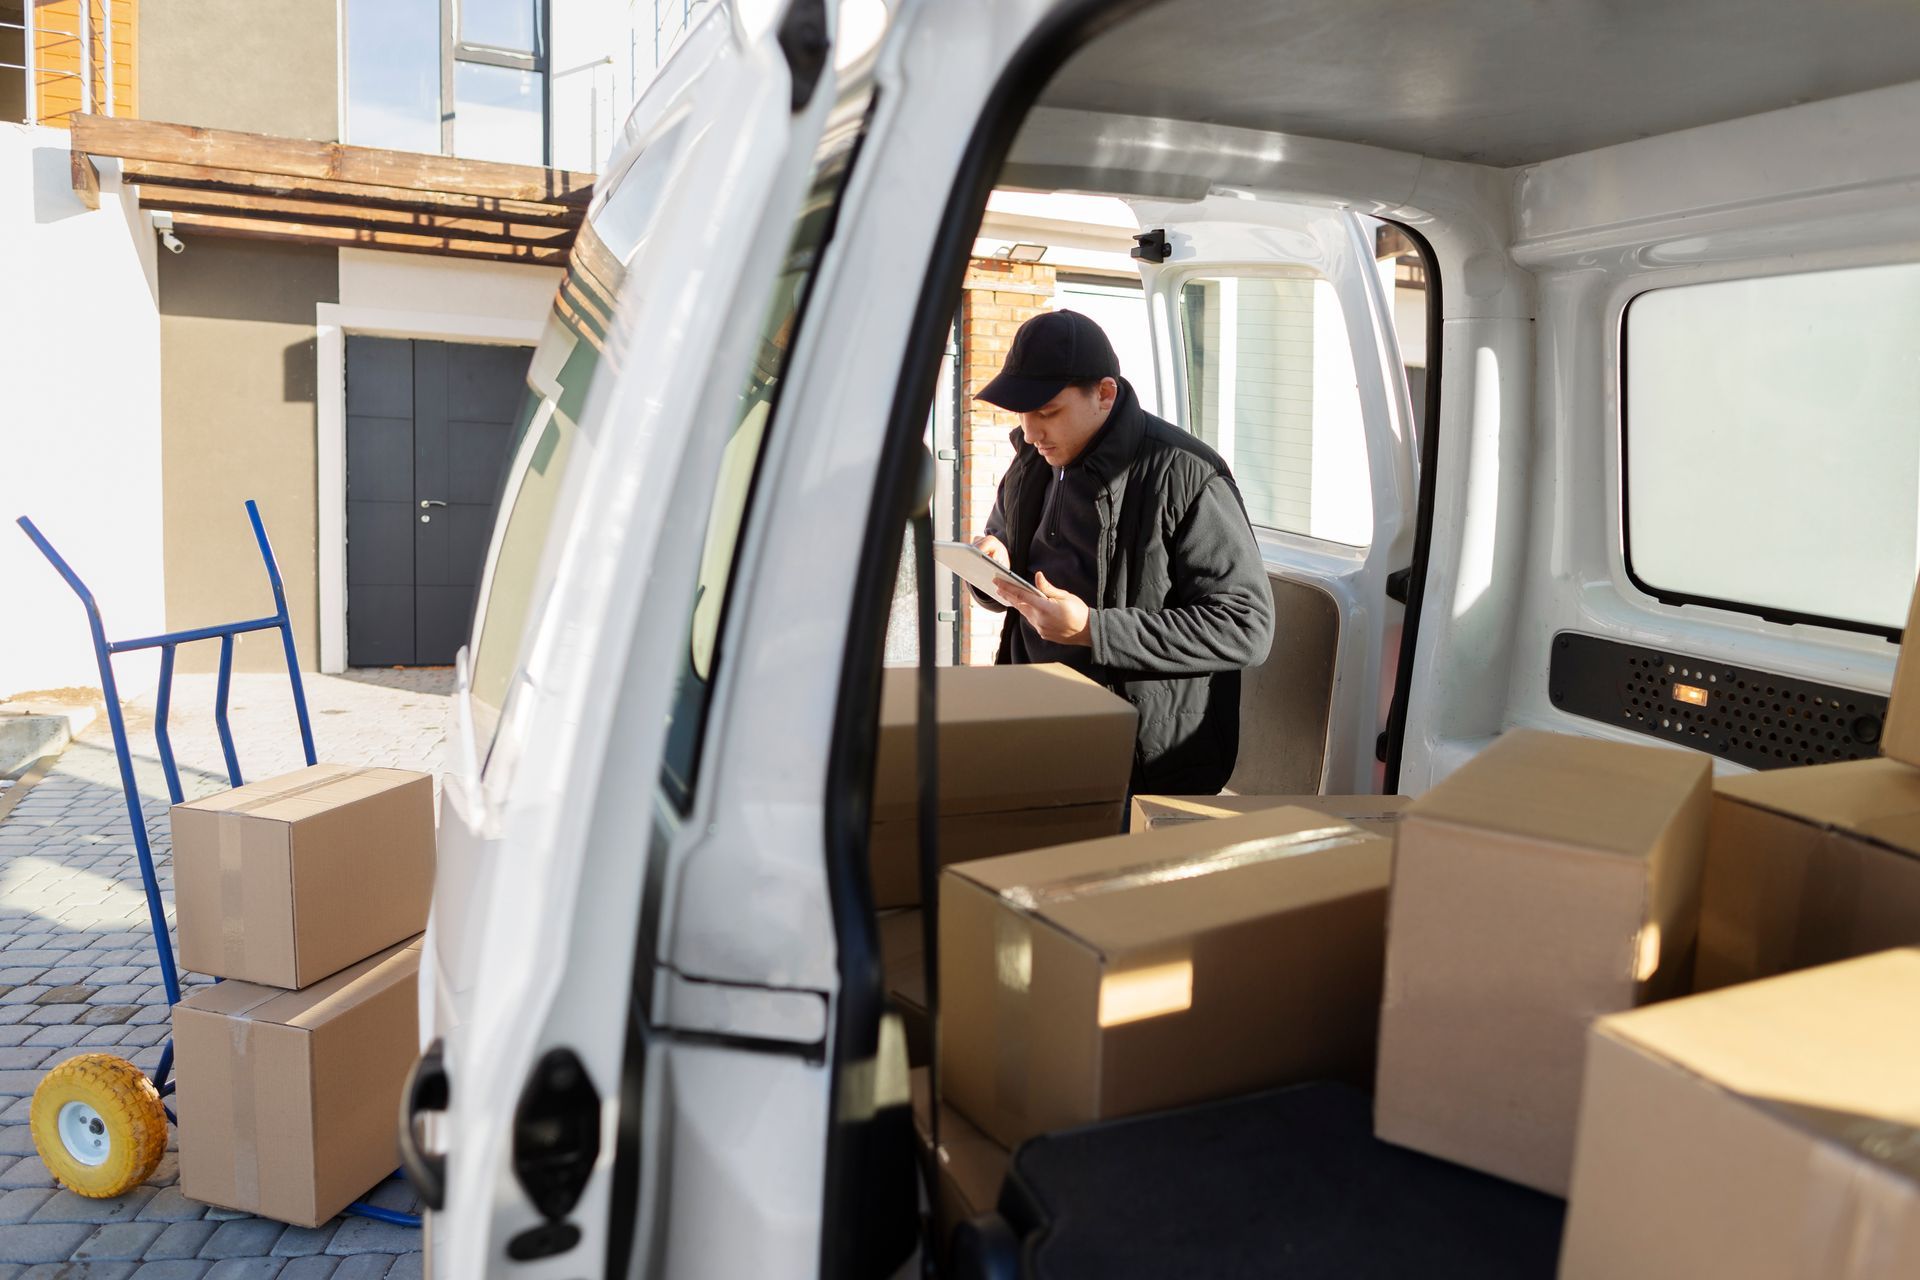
[78,973]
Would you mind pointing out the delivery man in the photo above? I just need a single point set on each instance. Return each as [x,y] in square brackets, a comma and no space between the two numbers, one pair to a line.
[1136,535]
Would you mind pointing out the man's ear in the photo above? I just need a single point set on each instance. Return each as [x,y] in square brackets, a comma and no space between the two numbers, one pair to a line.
[1109,391]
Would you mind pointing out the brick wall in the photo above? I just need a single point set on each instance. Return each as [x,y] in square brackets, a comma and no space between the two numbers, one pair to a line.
[999,297]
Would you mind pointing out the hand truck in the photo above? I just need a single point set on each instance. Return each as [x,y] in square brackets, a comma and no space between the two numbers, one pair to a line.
[99,1123]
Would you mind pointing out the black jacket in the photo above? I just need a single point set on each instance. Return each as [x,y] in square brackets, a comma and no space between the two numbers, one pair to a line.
[1181,603]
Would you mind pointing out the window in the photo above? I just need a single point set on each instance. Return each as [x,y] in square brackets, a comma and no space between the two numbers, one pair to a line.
[414,83]
[393,74]
[1120,309]
[1771,433]
[741,459]
[1270,385]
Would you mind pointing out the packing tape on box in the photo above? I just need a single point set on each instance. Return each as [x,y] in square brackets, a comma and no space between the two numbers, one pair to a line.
[233,933]
[1176,811]
[1245,853]
[1860,1194]
[1013,978]
[253,803]
[246,1133]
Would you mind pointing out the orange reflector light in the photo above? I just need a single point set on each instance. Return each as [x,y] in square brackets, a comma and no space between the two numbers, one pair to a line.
[1690,693]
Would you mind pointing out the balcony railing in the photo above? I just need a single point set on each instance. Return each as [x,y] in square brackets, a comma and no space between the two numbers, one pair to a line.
[67,62]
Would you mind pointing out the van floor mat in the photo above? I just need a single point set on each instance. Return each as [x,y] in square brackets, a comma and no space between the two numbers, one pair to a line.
[1290,1183]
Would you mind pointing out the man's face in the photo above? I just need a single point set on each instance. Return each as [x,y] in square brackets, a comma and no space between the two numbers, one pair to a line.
[1061,428]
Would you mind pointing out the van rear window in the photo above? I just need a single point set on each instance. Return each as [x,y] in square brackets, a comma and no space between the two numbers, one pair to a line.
[1771,444]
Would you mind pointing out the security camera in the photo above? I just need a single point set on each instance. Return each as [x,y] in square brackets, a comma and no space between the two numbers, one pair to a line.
[163,223]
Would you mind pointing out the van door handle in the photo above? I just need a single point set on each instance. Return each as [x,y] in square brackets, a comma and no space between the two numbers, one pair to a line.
[431,502]
[427,1092]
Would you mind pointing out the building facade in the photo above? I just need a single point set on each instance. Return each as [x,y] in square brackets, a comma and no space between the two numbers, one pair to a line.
[168,368]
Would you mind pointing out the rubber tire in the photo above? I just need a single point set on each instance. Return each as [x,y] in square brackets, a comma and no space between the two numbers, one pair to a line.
[128,1103]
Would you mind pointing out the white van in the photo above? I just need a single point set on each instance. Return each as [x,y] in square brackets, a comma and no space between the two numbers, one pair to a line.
[1671,417]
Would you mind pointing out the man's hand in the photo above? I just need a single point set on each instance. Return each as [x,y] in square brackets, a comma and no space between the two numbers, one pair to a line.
[993,549]
[1061,617]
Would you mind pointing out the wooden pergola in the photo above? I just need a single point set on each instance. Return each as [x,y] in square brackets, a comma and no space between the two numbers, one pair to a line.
[253,186]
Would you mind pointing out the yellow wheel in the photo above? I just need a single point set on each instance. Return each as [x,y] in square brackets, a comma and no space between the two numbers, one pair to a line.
[98,1124]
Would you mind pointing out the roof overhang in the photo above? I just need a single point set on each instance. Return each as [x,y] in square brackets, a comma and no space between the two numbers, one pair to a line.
[254,186]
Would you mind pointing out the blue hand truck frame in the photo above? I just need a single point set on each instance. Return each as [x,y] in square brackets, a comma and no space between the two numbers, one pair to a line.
[104,651]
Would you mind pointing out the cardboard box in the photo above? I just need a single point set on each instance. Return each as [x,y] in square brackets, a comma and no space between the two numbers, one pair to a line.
[1550,880]
[288,1099]
[1379,815]
[968,1168]
[1900,736]
[1769,1131]
[286,881]
[1808,866]
[1029,756]
[1130,974]
[902,959]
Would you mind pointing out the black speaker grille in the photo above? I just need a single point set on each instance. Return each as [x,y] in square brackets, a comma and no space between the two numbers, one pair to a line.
[1755,718]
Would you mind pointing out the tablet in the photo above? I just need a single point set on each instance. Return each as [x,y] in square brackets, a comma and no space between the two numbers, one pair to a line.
[974,566]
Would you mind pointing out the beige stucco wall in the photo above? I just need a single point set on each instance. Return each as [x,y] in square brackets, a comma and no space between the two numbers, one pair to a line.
[236,324]
[237,407]
[264,66]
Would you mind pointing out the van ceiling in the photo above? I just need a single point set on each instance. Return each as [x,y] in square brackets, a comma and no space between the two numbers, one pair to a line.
[1497,82]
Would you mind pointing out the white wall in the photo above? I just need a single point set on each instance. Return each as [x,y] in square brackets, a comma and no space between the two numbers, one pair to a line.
[412,283]
[603,55]
[80,428]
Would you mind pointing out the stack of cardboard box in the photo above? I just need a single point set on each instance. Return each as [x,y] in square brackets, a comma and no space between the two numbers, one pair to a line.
[1581,997]
[1769,1124]
[307,893]
[1088,973]
[1591,970]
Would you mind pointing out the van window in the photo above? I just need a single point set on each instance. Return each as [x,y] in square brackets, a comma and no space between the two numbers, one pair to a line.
[1270,385]
[547,436]
[1771,440]
[740,461]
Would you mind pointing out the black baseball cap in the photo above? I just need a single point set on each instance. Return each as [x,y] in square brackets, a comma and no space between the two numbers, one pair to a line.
[1050,352]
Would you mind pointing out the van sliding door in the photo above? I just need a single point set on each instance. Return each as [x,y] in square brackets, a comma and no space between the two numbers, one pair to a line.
[1277,346]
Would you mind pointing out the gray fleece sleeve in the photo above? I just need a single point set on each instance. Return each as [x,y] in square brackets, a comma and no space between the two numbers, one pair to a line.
[1220,612]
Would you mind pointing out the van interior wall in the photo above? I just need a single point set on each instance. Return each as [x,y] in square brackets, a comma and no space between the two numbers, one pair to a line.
[1553,174]
[1815,188]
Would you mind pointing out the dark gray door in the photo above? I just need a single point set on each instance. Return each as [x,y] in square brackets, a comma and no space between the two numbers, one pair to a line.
[428,425]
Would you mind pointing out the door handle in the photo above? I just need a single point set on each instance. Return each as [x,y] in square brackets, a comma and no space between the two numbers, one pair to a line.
[431,502]
[427,1093]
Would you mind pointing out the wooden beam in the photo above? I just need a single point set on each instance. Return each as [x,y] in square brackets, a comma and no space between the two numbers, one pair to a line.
[86,178]
[300,212]
[298,158]
[192,177]
[347,237]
